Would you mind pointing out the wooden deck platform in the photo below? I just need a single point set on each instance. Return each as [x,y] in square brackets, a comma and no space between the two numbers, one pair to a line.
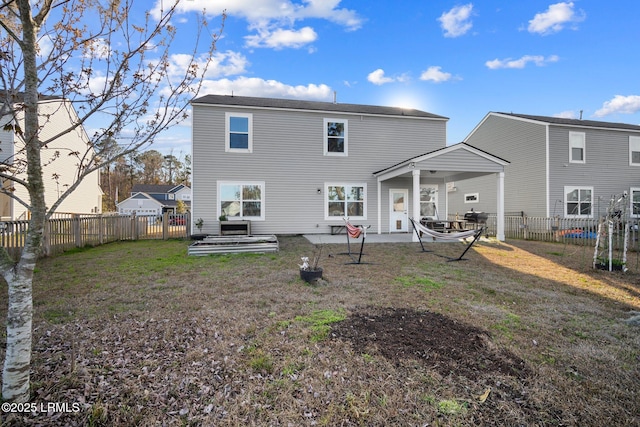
[234,244]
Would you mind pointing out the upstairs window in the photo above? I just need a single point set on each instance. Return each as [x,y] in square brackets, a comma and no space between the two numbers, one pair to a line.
[239,133]
[634,150]
[335,137]
[577,147]
[578,202]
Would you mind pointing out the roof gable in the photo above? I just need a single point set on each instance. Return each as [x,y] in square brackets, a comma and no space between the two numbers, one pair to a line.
[442,152]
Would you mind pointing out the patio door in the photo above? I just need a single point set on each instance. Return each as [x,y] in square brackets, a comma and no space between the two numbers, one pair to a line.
[399,210]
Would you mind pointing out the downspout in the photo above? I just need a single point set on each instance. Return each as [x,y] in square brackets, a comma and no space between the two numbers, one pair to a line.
[379,207]
[547,190]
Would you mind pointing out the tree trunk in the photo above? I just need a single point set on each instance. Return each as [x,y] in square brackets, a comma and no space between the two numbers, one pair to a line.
[17,362]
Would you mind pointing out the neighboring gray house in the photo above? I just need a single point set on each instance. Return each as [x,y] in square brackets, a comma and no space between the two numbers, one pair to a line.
[558,167]
[148,199]
[294,167]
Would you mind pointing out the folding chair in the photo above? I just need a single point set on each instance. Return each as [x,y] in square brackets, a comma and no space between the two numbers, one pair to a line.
[355,232]
[419,228]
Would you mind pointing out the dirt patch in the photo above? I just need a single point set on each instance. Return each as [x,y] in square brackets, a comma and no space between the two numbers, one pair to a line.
[456,353]
[445,345]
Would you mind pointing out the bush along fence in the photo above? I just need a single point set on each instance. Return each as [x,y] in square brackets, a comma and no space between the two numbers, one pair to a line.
[70,231]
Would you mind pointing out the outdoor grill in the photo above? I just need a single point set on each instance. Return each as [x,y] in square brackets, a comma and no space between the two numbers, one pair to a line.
[476,217]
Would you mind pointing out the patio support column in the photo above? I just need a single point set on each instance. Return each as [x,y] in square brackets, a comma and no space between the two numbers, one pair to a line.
[500,213]
[379,207]
[416,200]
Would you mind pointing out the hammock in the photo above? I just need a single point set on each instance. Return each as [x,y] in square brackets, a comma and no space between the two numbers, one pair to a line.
[451,237]
[354,232]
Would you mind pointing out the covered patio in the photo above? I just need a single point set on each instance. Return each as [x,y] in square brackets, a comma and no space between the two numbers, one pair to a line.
[441,168]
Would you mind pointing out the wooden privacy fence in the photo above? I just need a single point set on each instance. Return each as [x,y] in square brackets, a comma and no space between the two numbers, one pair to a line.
[77,231]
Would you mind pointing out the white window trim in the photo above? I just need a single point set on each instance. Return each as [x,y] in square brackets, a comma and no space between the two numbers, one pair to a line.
[262,200]
[631,191]
[325,137]
[583,146]
[227,132]
[634,145]
[345,184]
[477,196]
[567,189]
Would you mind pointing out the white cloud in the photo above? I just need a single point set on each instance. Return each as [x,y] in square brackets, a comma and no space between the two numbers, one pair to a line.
[555,18]
[456,22]
[378,78]
[435,74]
[620,104]
[270,18]
[538,60]
[253,86]
[280,38]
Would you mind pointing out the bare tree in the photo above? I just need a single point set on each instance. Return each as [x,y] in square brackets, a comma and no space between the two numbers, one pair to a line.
[103,61]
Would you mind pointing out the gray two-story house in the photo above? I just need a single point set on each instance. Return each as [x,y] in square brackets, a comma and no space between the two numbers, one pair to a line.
[298,167]
[558,167]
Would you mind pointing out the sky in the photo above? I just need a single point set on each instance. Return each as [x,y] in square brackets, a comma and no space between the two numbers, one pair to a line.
[460,60]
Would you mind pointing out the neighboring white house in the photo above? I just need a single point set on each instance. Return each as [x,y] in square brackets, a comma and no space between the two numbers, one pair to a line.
[140,204]
[60,165]
[558,167]
[147,199]
[293,167]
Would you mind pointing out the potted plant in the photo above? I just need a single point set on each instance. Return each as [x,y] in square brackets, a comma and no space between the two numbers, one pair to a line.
[309,271]
[616,264]
[199,223]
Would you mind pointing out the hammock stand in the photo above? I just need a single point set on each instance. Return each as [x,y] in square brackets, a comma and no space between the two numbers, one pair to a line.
[354,232]
[419,228]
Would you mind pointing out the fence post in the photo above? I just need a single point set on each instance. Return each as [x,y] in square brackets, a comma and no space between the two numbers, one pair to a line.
[77,232]
[46,243]
[134,226]
[101,229]
[165,225]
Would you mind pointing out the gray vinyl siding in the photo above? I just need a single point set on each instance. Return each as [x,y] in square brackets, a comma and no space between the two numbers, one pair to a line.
[522,143]
[606,168]
[288,156]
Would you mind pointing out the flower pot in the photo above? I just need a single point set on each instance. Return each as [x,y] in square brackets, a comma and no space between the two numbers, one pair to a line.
[311,275]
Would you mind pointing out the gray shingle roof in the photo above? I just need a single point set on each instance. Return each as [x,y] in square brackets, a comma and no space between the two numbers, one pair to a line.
[294,104]
[575,122]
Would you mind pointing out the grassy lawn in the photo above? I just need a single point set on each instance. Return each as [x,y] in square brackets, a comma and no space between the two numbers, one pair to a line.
[139,333]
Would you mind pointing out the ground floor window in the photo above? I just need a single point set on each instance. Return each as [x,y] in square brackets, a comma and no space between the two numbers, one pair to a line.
[346,200]
[578,202]
[635,202]
[241,200]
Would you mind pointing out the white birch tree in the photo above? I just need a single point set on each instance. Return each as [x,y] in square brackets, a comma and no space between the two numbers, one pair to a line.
[107,62]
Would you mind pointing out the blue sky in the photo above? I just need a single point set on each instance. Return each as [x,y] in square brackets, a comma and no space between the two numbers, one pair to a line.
[456,59]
